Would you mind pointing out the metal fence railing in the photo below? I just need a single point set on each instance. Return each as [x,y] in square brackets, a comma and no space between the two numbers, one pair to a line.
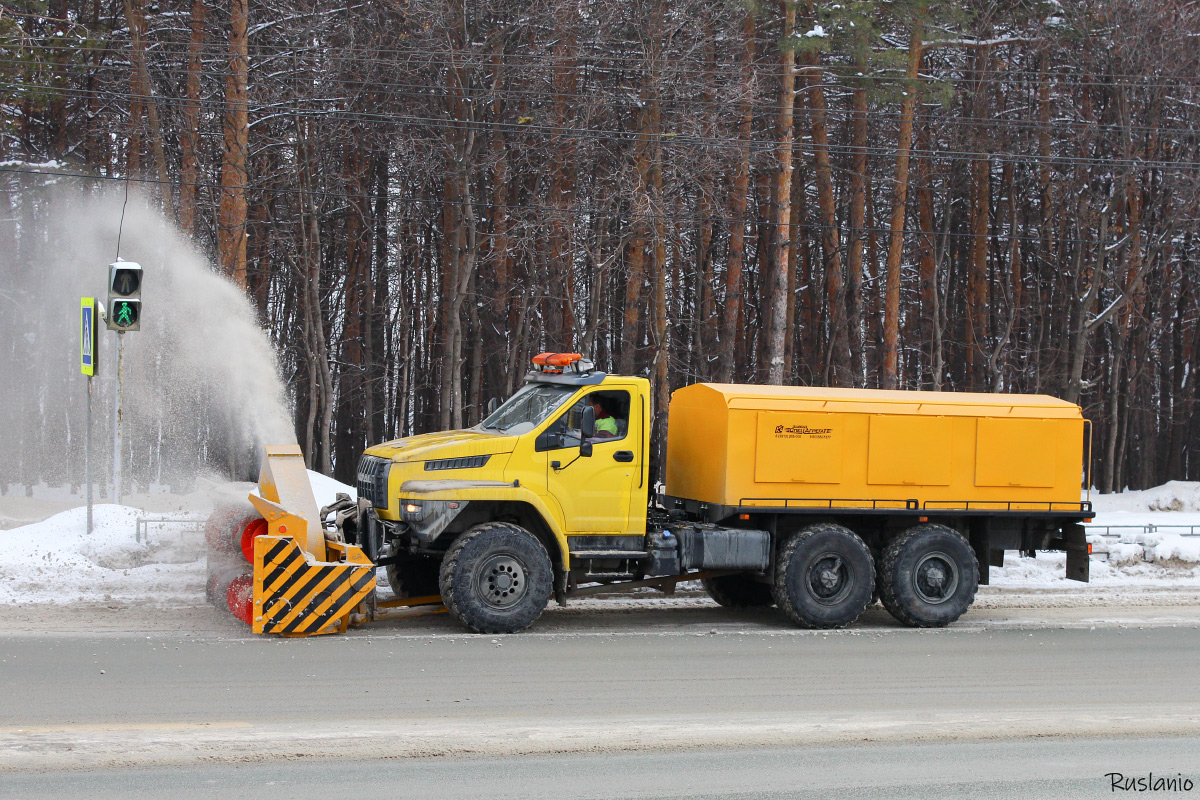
[181,526]
[1133,530]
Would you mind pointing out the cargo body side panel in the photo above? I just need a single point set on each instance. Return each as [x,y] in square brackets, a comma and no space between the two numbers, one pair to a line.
[802,447]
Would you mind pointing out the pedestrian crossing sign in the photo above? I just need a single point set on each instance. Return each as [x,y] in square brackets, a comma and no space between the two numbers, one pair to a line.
[87,336]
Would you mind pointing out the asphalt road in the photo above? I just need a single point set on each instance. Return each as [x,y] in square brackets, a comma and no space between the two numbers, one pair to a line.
[229,705]
[1047,769]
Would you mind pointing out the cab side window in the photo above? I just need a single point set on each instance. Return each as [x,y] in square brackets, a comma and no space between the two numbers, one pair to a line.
[612,419]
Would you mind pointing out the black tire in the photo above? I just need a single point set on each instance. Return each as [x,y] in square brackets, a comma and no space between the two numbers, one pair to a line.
[496,578]
[738,591]
[416,576]
[824,576]
[929,576]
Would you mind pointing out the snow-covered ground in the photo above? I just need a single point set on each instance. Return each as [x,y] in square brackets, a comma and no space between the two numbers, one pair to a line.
[54,560]
[1124,552]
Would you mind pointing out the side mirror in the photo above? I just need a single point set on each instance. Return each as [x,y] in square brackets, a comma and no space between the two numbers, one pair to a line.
[587,429]
[492,405]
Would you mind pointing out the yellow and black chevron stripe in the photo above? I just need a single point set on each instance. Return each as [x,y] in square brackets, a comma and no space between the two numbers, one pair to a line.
[295,596]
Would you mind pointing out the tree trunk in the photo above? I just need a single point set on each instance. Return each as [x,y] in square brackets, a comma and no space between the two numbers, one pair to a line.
[189,130]
[858,212]
[778,322]
[931,316]
[891,303]
[561,317]
[737,211]
[135,16]
[837,357]
[979,209]
[231,226]
[318,449]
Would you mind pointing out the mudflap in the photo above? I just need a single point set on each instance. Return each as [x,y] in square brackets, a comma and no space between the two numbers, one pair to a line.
[1078,561]
[295,595]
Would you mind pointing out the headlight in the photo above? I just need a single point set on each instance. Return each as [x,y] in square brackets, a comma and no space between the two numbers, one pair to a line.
[428,518]
[417,512]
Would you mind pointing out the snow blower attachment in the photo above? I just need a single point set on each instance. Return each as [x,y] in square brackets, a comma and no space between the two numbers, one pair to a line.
[272,566]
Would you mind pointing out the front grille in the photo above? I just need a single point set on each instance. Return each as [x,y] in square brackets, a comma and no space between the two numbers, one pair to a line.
[372,480]
[467,462]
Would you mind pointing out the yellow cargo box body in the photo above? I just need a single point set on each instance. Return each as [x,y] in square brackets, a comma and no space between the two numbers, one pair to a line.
[809,447]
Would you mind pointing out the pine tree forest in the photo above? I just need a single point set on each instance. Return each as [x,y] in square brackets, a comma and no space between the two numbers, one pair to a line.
[419,195]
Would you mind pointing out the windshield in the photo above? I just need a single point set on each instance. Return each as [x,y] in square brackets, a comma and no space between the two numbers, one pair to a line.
[526,409]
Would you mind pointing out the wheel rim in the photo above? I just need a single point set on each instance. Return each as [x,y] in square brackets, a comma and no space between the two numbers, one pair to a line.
[501,581]
[828,579]
[935,578]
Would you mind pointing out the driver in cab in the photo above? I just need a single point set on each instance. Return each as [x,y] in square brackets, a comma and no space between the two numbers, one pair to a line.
[606,423]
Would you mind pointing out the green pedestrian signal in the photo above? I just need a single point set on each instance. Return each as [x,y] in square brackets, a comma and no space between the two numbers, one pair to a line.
[124,314]
[124,296]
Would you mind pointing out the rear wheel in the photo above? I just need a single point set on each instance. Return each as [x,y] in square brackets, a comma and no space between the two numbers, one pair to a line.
[738,591]
[824,576]
[496,578]
[929,576]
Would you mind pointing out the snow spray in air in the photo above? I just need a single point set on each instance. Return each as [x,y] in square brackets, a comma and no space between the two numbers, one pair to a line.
[200,381]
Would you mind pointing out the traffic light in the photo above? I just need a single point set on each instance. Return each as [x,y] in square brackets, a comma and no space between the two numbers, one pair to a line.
[124,296]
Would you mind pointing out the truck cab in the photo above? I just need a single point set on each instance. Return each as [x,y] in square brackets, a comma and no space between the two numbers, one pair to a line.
[558,471]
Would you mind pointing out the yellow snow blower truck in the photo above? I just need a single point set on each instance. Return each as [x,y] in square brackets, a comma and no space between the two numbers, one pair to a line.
[815,500]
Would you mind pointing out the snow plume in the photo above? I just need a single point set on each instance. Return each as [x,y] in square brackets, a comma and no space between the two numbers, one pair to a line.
[200,383]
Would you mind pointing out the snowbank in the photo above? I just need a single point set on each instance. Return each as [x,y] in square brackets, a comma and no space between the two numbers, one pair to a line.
[1156,528]
[1048,571]
[56,561]
[1173,496]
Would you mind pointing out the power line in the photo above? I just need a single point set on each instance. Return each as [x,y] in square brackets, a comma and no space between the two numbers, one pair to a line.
[491,94]
[485,57]
[674,139]
[577,212]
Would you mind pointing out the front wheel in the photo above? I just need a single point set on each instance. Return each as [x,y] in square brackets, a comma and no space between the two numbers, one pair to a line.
[496,578]
[929,576]
[824,576]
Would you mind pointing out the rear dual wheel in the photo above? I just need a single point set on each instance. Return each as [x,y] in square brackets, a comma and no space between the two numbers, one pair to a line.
[928,576]
[824,576]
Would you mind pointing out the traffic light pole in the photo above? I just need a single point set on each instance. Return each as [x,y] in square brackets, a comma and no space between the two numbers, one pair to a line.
[87,454]
[124,314]
[117,422]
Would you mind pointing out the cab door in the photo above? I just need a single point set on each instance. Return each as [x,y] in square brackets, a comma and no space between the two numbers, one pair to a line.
[593,491]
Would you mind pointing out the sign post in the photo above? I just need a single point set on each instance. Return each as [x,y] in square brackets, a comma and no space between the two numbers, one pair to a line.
[87,365]
[116,479]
